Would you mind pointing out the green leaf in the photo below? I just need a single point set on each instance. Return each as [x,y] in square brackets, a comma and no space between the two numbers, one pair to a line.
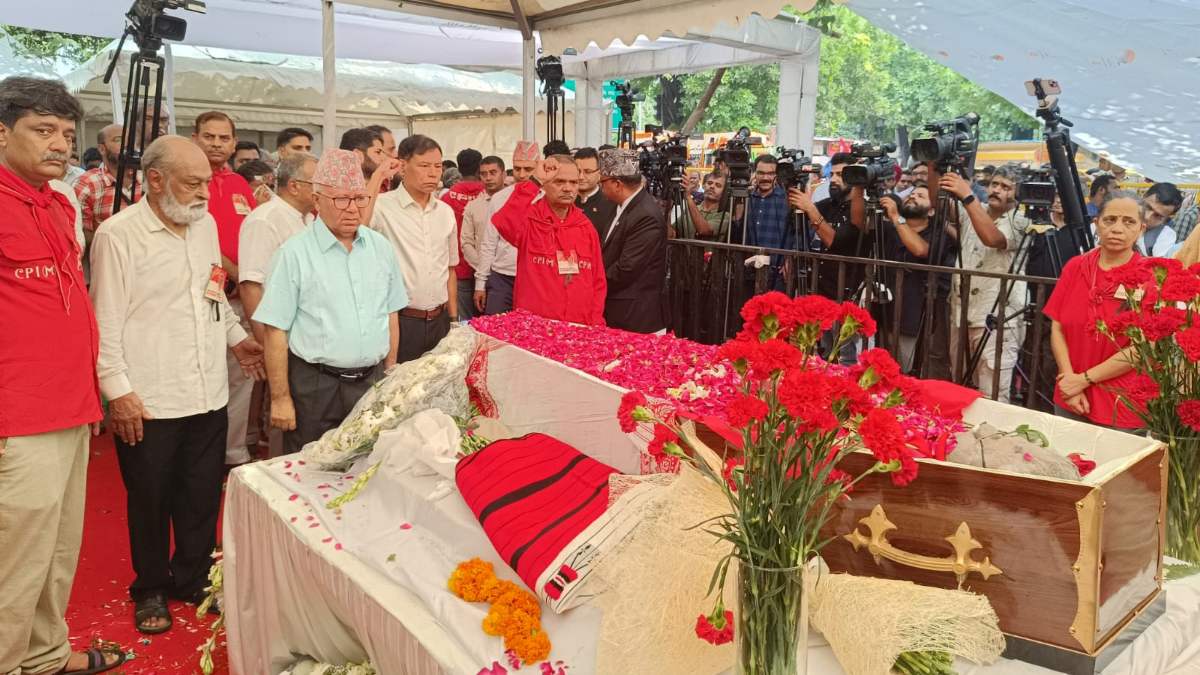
[1032,435]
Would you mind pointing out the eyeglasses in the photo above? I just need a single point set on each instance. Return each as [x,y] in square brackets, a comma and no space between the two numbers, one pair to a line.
[343,203]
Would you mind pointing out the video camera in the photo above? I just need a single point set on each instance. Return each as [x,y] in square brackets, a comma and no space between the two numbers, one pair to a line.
[662,162]
[149,26]
[736,158]
[795,171]
[874,167]
[550,71]
[626,97]
[1036,191]
[952,145]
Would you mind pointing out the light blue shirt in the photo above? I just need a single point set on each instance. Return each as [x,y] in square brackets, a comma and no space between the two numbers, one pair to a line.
[333,303]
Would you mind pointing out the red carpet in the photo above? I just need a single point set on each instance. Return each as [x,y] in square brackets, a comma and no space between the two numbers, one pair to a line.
[100,607]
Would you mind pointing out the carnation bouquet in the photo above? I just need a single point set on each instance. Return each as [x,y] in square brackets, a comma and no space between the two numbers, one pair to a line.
[1162,334]
[797,417]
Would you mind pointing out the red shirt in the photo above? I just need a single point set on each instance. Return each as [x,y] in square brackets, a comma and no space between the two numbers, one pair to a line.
[1083,295]
[50,341]
[458,197]
[230,200]
[541,239]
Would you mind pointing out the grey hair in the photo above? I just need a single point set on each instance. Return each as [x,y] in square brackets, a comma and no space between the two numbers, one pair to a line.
[1010,172]
[563,159]
[1118,194]
[290,167]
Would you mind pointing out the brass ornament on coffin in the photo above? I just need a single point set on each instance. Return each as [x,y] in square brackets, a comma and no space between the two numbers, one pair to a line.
[960,563]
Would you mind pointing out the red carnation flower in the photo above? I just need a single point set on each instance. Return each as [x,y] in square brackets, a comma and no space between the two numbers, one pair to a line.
[1189,414]
[737,351]
[1131,275]
[1141,389]
[764,316]
[884,368]
[1162,268]
[839,476]
[745,409]
[771,357]
[662,436]
[1180,287]
[731,464]
[882,435]
[1189,341]
[857,400]
[815,309]
[807,397]
[907,472]
[715,630]
[1162,323]
[859,318]
[630,401]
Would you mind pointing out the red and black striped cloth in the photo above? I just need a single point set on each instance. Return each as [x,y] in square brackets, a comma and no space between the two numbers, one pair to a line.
[533,495]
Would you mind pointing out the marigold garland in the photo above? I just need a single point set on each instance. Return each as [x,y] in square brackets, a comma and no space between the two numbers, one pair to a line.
[514,615]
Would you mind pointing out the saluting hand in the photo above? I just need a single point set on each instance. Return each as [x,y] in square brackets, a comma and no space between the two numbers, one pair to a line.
[545,170]
[250,356]
[127,414]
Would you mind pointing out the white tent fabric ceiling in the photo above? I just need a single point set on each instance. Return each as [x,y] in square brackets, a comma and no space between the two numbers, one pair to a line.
[1130,71]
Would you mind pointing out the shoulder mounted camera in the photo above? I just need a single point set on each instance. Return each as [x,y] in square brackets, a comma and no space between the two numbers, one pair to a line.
[951,145]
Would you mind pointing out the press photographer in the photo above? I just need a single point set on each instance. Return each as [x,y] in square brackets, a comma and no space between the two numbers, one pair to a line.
[911,236]
[708,220]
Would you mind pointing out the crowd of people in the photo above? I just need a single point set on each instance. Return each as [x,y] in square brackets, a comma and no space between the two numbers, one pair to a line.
[217,292]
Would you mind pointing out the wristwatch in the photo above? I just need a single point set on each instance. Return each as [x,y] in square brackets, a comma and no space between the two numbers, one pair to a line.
[966,201]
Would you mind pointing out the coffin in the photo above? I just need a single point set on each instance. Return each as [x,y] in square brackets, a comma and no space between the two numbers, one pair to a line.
[1066,565]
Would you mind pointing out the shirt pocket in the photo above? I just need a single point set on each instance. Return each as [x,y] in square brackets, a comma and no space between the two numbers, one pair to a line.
[25,258]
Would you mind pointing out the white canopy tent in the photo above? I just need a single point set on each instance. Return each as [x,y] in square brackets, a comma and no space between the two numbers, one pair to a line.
[1129,70]
[499,34]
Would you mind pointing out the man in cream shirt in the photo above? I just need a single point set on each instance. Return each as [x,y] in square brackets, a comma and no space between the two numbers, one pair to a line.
[165,324]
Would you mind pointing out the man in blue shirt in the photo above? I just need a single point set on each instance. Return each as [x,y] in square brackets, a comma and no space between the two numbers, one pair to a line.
[329,307]
[768,223]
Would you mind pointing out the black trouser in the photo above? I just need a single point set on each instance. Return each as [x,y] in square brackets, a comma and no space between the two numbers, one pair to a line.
[418,336]
[321,398]
[173,483]
[499,288]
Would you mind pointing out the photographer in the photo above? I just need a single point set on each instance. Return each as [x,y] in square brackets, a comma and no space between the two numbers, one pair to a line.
[988,239]
[709,219]
[838,222]
[911,236]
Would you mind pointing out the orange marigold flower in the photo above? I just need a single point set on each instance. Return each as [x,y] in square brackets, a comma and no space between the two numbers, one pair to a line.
[471,578]
[531,647]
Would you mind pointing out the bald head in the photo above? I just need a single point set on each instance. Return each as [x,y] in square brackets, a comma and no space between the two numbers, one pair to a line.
[177,175]
[108,141]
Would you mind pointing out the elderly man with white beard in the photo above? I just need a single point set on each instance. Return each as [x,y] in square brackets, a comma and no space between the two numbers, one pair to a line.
[158,289]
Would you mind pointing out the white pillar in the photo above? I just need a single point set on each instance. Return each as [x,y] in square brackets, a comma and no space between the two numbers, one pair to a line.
[169,87]
[591,115]
[798,79]
[529,90]
[329,137]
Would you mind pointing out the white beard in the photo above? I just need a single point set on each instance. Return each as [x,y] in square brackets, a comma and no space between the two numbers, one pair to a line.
[182,214]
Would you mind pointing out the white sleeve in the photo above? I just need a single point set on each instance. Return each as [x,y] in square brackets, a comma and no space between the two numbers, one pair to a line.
[110,298]
[487,254]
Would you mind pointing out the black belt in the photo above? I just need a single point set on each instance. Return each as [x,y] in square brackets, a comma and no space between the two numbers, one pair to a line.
[348,374]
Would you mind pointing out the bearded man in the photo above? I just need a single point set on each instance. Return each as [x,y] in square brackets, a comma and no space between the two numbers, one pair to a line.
[158,288]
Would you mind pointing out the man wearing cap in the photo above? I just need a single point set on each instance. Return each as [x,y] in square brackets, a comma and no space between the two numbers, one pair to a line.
[635,247]
[329,307]
[560,271]
[496,275]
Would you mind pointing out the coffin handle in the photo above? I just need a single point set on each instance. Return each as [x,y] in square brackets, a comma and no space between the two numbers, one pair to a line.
[960,563]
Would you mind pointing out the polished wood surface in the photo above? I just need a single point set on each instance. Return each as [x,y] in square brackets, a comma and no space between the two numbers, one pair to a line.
[1028,526]
[1130,541]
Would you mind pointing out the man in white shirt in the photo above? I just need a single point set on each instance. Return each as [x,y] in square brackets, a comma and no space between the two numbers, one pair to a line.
[988,236]
[496,273]
[424,233]
[475,216]
[165,323]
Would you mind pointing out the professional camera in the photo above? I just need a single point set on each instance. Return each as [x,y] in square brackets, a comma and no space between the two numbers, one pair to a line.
[550,72]
[874,168]
[662,162]
[626,97]
[1036,190]
[736,158]
[952,144]
[795,171]
[148,23]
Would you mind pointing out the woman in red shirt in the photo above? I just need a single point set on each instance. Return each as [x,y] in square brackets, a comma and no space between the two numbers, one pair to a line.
[1086,292]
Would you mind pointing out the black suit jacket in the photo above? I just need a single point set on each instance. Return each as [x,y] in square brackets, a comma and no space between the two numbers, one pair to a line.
[598,210]
[635,264]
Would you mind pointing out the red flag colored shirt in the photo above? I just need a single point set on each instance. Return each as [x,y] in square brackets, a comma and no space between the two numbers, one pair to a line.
[230,200]
[458,197]
[50,341]
[1083,295]
[546,246]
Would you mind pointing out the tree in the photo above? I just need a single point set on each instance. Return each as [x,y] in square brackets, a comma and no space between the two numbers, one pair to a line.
[872,85]
[48,46]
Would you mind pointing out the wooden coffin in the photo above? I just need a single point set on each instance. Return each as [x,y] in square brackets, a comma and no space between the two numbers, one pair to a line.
[1066,565]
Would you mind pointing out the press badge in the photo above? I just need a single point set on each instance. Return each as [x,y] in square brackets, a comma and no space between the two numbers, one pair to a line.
[215,290]
[241,205]
[568,262]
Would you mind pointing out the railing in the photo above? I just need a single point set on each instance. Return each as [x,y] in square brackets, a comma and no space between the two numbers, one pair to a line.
[707,284]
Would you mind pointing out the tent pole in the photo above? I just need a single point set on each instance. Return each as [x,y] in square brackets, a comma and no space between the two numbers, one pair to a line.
[528,90]
[798,78]
[329,68]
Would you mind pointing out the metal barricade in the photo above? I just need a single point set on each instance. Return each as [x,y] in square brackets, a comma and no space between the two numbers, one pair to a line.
[708,283]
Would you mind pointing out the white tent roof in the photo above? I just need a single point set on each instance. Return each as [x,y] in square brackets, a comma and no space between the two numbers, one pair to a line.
[1129,70]
[282,81]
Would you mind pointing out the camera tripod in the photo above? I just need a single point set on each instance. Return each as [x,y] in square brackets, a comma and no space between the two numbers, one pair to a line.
[143,89]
